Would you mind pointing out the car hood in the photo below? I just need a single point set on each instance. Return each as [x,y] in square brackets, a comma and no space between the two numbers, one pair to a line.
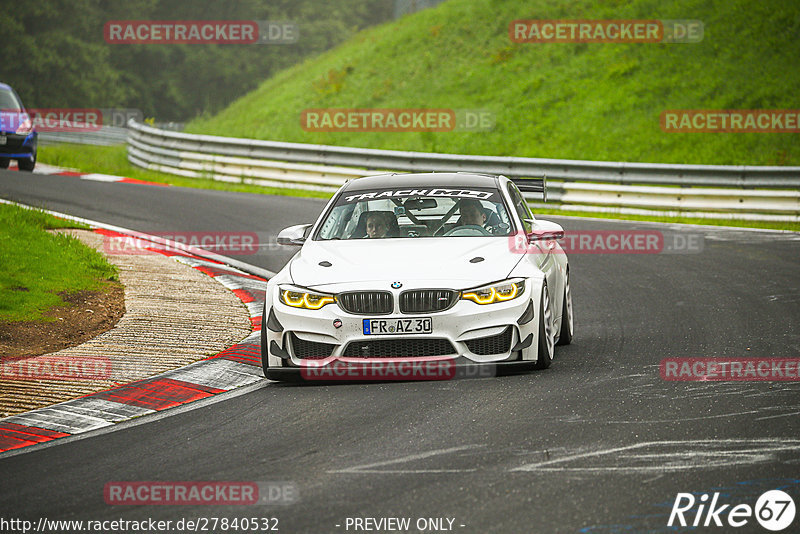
[453,262]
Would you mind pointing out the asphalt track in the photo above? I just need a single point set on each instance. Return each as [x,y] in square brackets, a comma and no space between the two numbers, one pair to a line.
[597,443]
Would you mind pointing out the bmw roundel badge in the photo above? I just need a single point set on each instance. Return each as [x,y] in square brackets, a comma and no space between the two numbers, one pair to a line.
[396,285]
[337,323]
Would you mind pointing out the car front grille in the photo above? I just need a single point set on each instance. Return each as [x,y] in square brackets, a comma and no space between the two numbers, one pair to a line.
[310,350]
[497,344]
[427,300]
[366,302]
[13,143]
[399,348]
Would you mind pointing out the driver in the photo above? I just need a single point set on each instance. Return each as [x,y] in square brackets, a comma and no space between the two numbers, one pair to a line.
[472,213]
[376,226]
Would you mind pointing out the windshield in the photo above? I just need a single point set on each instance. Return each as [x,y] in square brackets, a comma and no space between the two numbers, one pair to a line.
[8,101]
[417,213]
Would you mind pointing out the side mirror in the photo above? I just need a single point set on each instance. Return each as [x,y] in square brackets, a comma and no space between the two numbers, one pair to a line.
[294,235]
[545,231]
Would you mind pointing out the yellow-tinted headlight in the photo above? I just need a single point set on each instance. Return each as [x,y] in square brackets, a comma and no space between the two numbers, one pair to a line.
[495,293]
[304,299]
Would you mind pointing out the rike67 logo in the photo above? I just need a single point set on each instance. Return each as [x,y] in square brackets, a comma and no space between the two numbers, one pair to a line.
[774,510]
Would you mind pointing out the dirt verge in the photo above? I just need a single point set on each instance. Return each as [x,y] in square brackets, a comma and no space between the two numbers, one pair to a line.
[87,314]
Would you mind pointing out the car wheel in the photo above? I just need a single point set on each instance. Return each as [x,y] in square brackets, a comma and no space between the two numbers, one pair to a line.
[264,350]
[27,164]
[4,163]
[567,319]
[546,332]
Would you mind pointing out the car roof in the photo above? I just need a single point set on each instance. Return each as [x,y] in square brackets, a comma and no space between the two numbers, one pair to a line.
[5,86]
[418,180]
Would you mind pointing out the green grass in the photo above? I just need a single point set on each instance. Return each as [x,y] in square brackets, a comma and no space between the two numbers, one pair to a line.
[36,265]
[113,160]
[770,225]
[575,101]
[590,101]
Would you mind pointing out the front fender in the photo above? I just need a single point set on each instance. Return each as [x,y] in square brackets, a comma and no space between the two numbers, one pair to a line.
[531,327]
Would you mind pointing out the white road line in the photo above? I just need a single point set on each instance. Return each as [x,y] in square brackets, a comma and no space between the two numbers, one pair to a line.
[760,450]
[663,421]
[776,416]
[403,471]
[369,468]
[95,177]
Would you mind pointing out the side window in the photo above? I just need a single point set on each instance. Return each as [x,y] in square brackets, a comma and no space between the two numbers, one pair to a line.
[353,220]
[521,206]
[330,224]
[335,222]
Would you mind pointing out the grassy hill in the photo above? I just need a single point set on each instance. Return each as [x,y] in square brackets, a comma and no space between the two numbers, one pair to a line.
[578,101]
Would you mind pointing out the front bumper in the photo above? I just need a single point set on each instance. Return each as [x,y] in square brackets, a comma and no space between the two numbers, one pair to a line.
[18,146]
[466,334]
[450,369]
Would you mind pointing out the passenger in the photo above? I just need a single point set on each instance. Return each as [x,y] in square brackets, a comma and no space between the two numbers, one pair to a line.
[472,213]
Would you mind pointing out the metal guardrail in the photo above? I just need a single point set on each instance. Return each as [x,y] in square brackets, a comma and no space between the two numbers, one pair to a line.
[720,191]
[105,136]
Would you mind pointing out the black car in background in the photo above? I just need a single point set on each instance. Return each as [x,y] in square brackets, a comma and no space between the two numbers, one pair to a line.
[18,137]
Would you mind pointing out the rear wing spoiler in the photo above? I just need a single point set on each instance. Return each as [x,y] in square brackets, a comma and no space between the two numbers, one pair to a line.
[532,185]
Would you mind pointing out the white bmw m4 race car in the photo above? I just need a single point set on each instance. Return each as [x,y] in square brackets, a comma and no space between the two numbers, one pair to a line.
[415,276]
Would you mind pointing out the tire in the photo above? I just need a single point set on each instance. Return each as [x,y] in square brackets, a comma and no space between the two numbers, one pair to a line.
[567,317]
[546,332]
[4,163]
[27,164]
[264,349]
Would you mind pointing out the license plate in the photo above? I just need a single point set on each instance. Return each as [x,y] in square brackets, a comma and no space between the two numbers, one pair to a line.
[420,325]
[3,139]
